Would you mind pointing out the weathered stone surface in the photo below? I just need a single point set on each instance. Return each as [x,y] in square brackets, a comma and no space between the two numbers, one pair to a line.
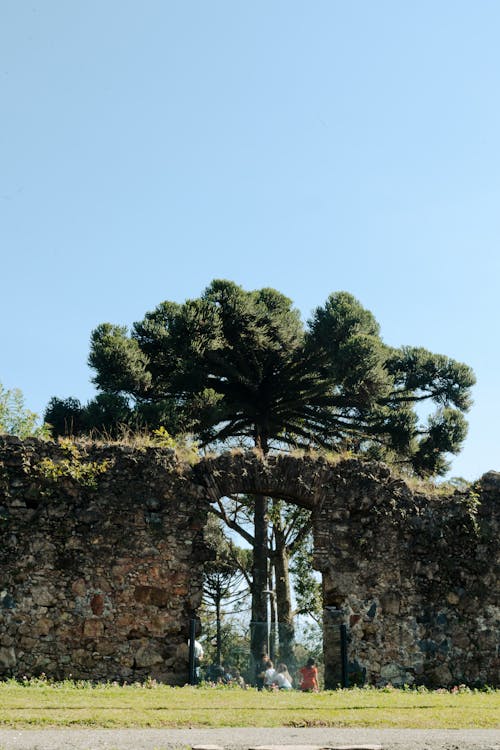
[92,628]
[93,566]
[97,604]
[42,596]
[152,595]
[148,656]
[391,602]
[7,658]
[412,574]
[431,566]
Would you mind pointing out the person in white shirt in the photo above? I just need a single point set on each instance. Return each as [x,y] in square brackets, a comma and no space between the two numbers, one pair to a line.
[269,675]
[198,657]
[198,651]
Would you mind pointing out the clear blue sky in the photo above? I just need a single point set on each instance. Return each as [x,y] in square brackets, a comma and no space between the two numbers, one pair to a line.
[149,147]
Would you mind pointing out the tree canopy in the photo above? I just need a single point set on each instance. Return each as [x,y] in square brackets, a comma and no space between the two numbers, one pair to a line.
[241,364]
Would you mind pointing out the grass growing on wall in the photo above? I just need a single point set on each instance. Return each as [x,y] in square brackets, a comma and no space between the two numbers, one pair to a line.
[42,704]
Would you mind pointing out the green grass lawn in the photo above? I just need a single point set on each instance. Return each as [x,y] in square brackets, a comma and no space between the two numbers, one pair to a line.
[41,704]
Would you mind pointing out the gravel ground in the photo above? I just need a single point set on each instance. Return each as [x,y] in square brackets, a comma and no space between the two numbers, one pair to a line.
[245,738]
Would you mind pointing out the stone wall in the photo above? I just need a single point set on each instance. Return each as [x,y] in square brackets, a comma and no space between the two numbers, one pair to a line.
[102,552]
[414,577]
[101,557]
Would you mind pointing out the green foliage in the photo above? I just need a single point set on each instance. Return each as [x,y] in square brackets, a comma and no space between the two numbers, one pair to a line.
[118,360]
[307,587]
[109,415]
[65,416]
[85,473]
[106,413]
[15,419]
[472,501]
[186,448]
[162,437]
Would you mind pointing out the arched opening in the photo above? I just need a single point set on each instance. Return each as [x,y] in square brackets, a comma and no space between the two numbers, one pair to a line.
[232,480]
[358,529]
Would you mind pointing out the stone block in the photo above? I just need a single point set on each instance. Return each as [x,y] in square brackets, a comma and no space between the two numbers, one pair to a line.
[81,658]
[79,587]
[97,604]
[391,602]
[7,658]
[440,676]
[27,643]
[93,628]
[42,596]
[148,656]
[125,621]
[42,626]
[159,597]
[106,646]
[392,673]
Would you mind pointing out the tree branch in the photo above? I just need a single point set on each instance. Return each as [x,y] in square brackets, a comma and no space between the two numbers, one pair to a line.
[220,512]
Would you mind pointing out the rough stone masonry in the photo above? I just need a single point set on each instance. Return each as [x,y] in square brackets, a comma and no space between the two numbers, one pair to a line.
[102,554]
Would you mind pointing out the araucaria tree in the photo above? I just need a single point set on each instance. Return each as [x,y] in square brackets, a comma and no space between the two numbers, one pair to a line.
[241,365]
[224,583]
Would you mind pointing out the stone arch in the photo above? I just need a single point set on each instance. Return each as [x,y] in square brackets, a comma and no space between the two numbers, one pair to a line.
[302,480]
[286,477]
[356,508]
[411,574]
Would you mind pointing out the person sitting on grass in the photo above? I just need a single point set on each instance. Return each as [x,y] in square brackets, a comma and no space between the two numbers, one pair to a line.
[269,675]
[309,677]
[283,678]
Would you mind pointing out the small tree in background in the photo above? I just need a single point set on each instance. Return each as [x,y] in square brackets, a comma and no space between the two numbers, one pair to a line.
[65,417]
[225,592]
[106,414]
[15,418]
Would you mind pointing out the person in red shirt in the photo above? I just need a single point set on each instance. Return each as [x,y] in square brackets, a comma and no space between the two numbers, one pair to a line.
[309,676]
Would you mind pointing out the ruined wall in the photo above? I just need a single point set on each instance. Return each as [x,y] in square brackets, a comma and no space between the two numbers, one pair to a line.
[101,559]
[414,577]
[101,556]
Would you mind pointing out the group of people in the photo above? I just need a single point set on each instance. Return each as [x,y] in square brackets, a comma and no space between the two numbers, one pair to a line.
[270,678]
[267,676]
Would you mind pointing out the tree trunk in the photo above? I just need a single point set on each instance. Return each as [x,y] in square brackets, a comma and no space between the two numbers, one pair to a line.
[218,638]
[273,645]
[286,630]
[259,630]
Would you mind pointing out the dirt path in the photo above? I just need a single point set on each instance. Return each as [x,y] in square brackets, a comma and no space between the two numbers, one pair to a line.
[243,739]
